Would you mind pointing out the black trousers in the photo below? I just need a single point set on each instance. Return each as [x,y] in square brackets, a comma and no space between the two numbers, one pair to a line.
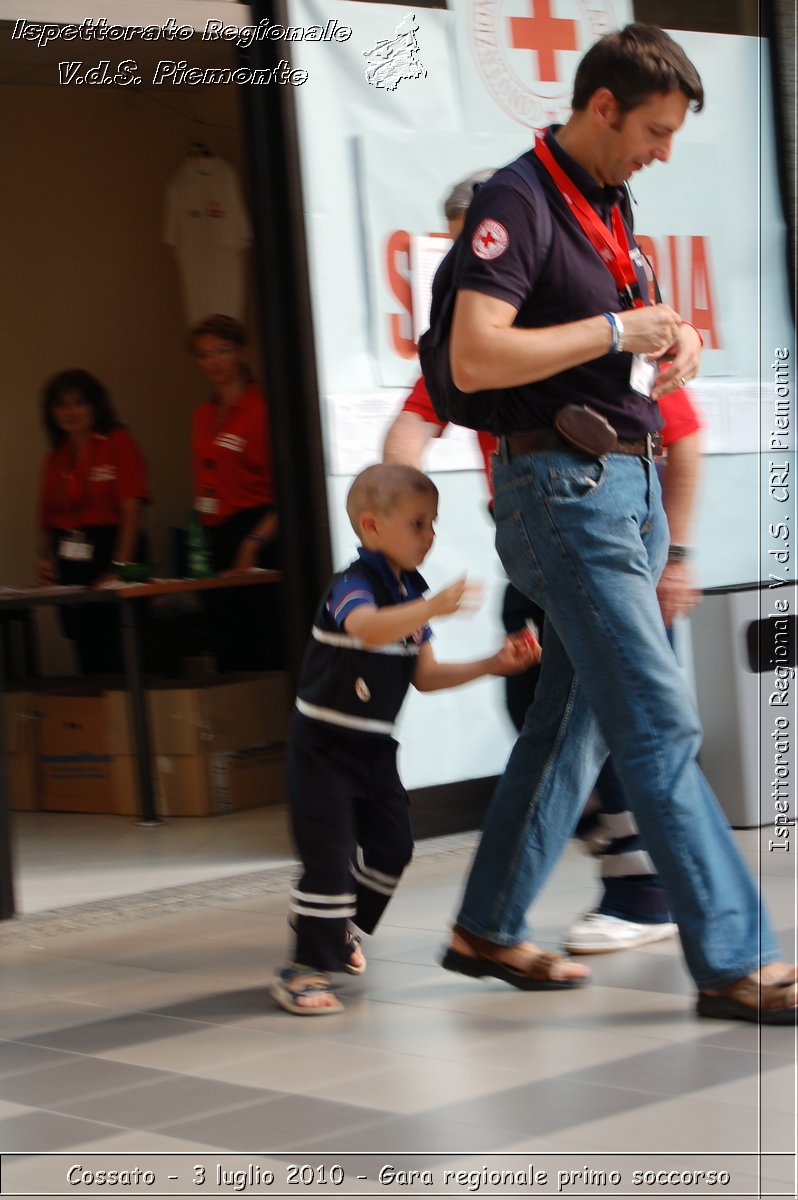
[351,822]
[245,624]
[94,628]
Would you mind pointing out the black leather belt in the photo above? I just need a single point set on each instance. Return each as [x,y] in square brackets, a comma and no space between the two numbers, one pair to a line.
[534,440]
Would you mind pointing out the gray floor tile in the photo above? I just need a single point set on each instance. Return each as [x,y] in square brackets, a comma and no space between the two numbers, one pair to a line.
[125,1029]
[200,1051]
[672,1070]
[19,1056]
[679,1123]
[33,1017]
[408,1135]
[45,1131]
[540,1110]
[61,1087]
[400,1090]
[153,991]
[284,1121]
[158,1104]
[332,1064]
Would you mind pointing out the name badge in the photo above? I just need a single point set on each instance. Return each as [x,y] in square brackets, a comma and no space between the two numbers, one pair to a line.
[207,504]
[75,547]
[642,375]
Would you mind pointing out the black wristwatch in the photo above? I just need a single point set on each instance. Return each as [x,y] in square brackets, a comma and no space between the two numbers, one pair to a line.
[677,554]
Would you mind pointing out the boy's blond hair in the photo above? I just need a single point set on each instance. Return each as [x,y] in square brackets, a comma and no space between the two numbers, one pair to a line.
[378,488]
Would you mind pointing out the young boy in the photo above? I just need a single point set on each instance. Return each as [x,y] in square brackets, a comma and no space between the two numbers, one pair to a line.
[350,813]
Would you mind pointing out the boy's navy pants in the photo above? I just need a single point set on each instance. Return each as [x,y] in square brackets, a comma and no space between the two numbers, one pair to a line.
[351,824]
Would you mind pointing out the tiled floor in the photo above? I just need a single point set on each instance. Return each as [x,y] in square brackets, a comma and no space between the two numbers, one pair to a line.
[145,1025]
[74,858]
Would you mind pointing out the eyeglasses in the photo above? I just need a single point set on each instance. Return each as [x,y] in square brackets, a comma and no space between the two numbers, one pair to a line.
[225,352]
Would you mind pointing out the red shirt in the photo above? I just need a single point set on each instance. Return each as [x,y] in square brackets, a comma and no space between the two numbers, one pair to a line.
[110,468]
[679,415]
[419,402]
[233,460]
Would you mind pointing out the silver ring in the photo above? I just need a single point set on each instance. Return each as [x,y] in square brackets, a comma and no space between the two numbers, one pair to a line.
[682,381]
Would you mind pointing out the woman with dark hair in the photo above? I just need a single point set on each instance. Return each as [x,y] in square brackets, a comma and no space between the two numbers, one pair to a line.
[94,482]
[235,496]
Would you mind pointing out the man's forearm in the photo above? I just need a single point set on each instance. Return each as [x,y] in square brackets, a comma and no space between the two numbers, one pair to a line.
[508,356]
[680,487]
[489,351]
[408,438]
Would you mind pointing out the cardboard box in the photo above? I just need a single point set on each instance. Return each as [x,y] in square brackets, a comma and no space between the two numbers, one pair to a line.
[202,785]
[253,777]
[125,786]
[217,716]
[73,765]
[216,748]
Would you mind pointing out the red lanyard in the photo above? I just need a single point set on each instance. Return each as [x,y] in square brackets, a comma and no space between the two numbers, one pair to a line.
[612,248]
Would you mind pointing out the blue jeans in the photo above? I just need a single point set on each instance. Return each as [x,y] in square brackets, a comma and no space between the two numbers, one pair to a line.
[587,540]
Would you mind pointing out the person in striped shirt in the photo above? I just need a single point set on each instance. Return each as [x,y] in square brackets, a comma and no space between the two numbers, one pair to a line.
[350,816]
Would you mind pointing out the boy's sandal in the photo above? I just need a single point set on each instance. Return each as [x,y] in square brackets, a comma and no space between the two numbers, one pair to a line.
[310,983]
[749,1000]
[354,944]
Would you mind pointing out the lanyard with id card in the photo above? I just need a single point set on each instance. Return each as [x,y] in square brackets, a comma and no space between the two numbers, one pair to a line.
[612,248]
[206,504]
[75,547]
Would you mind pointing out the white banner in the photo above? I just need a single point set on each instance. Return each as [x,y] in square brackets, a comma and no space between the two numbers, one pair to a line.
[389,120]
[379,163]
[517,58]
[431,163]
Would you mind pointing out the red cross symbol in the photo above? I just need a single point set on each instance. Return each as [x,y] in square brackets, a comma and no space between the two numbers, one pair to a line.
[543,34]
[487,239]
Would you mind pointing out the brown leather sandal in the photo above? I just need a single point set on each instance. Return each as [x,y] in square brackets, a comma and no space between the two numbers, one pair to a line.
[749,1000]
[534,976]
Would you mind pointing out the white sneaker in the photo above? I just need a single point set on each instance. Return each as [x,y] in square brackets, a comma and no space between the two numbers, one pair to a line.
[597,933]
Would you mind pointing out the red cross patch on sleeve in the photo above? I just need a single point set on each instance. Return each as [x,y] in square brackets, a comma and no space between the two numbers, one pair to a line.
[490,239]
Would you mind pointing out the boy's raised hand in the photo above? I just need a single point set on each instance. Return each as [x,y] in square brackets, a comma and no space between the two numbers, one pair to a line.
[519,652]
[459,596]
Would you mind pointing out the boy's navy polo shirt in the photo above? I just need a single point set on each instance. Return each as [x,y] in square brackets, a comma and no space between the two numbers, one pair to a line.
[343,682]
[351,589]
[569,283]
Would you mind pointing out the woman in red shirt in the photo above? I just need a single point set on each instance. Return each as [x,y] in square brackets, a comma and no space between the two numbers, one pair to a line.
[94,482]
[235,495]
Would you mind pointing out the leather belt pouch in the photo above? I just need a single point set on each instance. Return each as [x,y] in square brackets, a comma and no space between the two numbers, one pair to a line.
[586,429]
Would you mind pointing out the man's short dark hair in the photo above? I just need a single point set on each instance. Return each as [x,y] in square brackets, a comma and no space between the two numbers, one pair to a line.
[634,63]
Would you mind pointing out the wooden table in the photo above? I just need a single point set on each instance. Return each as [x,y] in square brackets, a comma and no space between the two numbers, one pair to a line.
[128,596]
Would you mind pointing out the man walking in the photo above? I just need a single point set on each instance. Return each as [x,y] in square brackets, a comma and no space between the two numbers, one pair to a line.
[580,530]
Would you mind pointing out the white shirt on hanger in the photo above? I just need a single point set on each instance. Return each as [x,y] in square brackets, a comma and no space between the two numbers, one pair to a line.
[206,223]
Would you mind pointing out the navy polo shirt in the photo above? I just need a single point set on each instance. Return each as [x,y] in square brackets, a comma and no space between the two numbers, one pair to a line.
[569,283]
[352,588]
